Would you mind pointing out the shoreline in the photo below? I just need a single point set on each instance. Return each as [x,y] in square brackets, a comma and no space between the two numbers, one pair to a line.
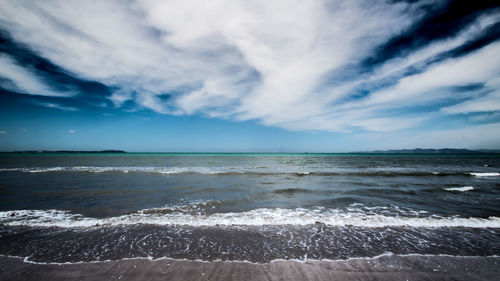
[384,267]
[298,260]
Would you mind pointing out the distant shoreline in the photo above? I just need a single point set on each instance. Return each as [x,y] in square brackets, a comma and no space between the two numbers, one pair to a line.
[64,151]
[420,151]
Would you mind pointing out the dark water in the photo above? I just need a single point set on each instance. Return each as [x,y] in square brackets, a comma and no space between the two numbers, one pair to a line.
[257,207]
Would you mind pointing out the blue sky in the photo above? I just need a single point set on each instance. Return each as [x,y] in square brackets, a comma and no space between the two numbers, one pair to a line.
[270,76]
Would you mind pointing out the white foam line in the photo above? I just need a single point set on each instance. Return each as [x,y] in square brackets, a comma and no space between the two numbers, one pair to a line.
[256,217]
[228,169]
[387,254]
[158,170]
[461,189]
[485,174]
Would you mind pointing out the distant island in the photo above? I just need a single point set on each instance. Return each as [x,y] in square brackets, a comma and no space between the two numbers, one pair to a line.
[66,151]
[392,151]
[434,151]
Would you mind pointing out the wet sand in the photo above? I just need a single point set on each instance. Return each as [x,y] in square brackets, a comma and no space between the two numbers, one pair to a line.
[387,267]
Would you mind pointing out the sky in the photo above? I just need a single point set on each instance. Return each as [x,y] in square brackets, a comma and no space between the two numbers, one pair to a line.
[249,76]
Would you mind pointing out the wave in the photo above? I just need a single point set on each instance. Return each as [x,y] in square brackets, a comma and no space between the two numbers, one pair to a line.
[298,171]
[462,189]
[257,217]
[154,170]
[485,174]
[94,169]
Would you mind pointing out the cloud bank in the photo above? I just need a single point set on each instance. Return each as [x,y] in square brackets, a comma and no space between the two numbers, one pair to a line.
[340,66]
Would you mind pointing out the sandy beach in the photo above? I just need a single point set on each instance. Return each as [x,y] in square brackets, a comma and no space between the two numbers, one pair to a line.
[387,267]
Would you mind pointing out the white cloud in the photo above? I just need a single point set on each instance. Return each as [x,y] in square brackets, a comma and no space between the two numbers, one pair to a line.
[71,131]
[490,102]
[478,67]
[261,60]
[23,80]
[434,48]
[3,132]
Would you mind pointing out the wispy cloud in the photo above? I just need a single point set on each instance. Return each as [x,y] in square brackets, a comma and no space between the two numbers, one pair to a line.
[18,78]
[301,65]
[54,105]
[72,131]
[3,132]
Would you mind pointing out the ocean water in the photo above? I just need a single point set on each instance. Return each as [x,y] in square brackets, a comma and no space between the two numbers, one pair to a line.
[253,207]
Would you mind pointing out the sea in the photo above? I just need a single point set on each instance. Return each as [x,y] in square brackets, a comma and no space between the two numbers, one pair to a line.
[90,207]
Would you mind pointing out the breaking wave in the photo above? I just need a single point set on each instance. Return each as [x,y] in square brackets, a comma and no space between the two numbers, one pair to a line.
[363,217]
[298,171]
[462,189]
[485,174]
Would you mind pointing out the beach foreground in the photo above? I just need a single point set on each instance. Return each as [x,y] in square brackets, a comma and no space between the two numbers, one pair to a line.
[386,267]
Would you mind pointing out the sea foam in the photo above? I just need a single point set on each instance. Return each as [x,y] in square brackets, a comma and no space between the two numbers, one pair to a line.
[462,189]
[256,217]
[485,174]
[258,170]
